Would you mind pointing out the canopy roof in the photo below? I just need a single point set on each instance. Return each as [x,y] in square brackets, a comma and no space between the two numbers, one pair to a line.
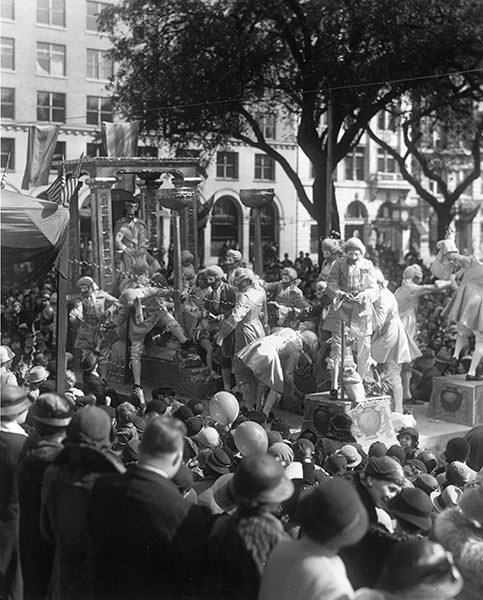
[32,233]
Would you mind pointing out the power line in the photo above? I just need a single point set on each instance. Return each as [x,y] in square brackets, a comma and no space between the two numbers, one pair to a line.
[328,89]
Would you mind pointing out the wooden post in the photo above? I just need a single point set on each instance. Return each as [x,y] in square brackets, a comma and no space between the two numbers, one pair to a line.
[257,250]
[329,167]
[342,359]
[177,272]
[61,316]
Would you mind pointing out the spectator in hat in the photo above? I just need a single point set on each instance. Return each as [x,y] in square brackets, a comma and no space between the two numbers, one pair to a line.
[408,437]
[412,510]
[377,449]
[397,453]
[474,437]
[413,468]
[353,458]
[459,474]
[447,498]
[430,461]
[36,377]
[416,568]
[432,366]
[65,494]
[71,390]
[460,531]
[427,483]
[217,462]
[92,382]
[336,433]
[7,377]
[331,516]
[150,542]
[14,405]
[381,481]
[241,543]
[51,414]
[125,429]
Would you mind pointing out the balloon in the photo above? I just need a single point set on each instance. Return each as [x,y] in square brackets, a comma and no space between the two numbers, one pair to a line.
[251,438]
[224,408]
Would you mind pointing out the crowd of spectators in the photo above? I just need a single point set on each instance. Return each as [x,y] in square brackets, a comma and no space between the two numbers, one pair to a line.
[185,499]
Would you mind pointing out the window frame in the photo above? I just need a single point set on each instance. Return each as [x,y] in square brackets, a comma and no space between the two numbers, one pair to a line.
[3,5]
[5,103]
[3,39]
[52,52]
[99,112]
[4,152]
[383,160]
[99,65]
[51,107]
[50,11]
[223,166]
[266,172]
[100,6]
[356,159]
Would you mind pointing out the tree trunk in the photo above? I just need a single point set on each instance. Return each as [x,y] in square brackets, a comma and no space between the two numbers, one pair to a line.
[319,195]
[445,217]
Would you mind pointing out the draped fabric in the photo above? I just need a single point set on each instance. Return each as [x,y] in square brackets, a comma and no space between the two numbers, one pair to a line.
[120,139]
[32,233]
[40,151]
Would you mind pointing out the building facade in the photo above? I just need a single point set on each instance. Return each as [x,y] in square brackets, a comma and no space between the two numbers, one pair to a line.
[55,69]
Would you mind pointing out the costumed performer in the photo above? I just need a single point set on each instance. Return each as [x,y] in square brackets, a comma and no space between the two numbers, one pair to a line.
[92,311]
[219,304]
[351,283]
[286,292]
[331,250]
[390,347]
[407,296]
[466,309]
[142,307]
[233,261]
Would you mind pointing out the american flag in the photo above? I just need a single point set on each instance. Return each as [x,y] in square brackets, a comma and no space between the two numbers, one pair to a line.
[55,191]
[71,183]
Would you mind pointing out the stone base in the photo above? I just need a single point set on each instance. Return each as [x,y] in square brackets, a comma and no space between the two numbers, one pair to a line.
[371,421]
[456,400]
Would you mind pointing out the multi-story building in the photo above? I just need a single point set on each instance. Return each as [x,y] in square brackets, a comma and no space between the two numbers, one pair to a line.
[55,67]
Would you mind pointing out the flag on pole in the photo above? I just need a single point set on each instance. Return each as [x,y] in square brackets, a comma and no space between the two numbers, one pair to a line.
[120,139]
[40,150]
[4,173]
[55,191]
[71,181]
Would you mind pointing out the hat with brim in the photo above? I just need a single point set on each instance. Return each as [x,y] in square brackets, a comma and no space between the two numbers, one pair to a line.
[52,409]
[353,457]
[13,401]
[413,506]
[260,478]
[6,354]
[219,461]
[37,374]
[333,513]
[448,498]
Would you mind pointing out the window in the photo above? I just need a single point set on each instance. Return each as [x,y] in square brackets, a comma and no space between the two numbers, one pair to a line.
[50,59]
[98,109]
[93,149]
[385,162]
[8,148]
[227,165]
[264,167]
[59,153]
[354,164]
[51,12]
[99,65]
[8,103]
[225,224]
[387,121]
[51,106]
[93,10]
[8,9]
[8,53]
[269,126]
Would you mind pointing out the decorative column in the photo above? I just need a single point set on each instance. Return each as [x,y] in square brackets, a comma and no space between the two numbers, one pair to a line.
[257,199]
[189,222]
[102,235]
[176,199]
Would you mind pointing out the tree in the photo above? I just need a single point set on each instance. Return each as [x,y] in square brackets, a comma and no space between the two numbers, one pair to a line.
[442,131]
[204,72]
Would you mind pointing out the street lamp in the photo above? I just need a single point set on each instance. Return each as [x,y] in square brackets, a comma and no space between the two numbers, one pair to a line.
[401,212]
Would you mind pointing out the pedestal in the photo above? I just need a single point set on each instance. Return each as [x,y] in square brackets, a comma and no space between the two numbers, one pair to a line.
[456,400]
[371,421]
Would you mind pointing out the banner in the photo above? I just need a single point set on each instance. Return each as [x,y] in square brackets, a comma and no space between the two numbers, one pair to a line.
[40,150]
[120,139]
